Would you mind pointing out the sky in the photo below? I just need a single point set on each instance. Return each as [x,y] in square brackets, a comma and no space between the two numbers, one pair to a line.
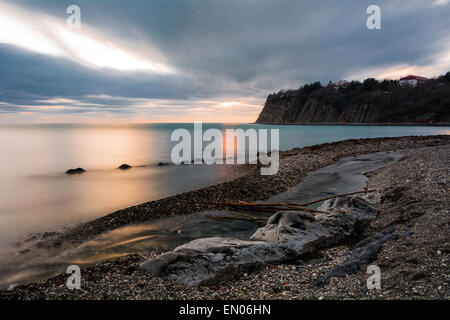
[140,61]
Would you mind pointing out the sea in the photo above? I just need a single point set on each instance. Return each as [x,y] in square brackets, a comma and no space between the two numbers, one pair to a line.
[37,196]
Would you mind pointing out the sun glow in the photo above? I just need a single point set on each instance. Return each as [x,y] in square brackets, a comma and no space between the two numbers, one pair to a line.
[105,54]
[230,104]
[47,35]
[25,35]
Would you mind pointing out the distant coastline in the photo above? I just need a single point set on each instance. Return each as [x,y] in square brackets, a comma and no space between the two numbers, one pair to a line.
[408,124]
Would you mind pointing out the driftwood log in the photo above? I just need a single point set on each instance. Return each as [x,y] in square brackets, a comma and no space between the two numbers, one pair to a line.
[277,206]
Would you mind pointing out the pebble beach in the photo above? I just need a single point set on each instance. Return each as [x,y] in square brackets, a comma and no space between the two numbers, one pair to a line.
[413,267]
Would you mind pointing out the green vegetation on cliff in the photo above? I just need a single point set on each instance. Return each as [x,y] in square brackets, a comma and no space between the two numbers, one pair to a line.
[370,101]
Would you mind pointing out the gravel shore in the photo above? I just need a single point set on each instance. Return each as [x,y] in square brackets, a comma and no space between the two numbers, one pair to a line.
[413,267]
[294,166]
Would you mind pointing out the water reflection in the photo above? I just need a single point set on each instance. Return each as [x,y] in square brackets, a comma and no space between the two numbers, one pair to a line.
[54,200]
[36,196]
[167,233]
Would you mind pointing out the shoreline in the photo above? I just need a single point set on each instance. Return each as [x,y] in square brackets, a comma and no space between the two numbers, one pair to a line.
[294,165]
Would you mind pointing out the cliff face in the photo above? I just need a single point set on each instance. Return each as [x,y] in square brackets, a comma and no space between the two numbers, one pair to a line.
[380,102]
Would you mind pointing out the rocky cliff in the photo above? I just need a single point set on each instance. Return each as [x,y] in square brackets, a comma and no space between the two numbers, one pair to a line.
[370,101]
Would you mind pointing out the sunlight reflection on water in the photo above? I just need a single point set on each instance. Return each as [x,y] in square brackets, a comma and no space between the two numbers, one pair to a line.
[36,196]
[167,233]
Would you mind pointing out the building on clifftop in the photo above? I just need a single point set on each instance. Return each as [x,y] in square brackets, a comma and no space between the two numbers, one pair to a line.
[412,80]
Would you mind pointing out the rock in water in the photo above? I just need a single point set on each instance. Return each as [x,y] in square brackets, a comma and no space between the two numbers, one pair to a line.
[75,171]
[287,235]
[125,167]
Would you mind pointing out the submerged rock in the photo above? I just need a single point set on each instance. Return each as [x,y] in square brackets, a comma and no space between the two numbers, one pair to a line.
[125,167]
[287,235]
[75,171]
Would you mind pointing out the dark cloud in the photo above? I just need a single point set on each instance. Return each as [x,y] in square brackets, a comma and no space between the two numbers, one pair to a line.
[234,48]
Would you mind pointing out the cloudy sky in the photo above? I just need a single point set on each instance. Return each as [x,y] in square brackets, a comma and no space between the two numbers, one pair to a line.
[205,60]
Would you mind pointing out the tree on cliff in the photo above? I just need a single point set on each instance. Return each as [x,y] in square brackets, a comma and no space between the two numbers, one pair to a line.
[370,101]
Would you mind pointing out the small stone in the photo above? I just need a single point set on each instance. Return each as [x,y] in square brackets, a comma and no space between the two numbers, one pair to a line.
[75,171]
[12,287]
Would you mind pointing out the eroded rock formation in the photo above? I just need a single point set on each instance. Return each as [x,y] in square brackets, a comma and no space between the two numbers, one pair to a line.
[287,235]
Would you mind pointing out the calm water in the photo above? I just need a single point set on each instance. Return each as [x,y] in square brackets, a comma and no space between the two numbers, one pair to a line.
[36,195]
[33,263]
